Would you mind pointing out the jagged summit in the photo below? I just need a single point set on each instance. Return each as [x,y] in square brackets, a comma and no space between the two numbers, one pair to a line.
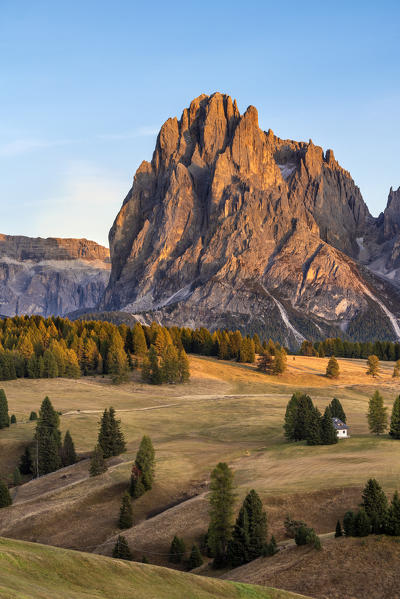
[231,224]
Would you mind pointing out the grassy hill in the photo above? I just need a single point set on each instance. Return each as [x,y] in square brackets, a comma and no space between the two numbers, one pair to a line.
[32,571]
[345,568]
[227,412]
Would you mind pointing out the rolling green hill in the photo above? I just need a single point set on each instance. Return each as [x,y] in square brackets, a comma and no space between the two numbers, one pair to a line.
[33,571]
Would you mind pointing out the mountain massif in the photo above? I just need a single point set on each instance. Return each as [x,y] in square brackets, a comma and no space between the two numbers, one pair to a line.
[231,226]
[51,276]
[227,226]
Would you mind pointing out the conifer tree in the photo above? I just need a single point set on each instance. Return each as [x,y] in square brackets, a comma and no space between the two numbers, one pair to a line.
[117,439]
[121,549]
[26,464]
[272,547]
[314,428]
[328,432]
[104,437]
[362,524]
[5,497]
[393,518]
[169,364]
[97,463]
[125,512]
[332,369]
[139,340]
[13,419]
[151,372]
[49,365]
[377,414]
[183,367]
[238,546]
[33,416]
[265,363]
[337,410]
[4,417]
[348,524]
[396,369]
[117,360]
[302,418]
[373,365]
[375,505]
[177,550]
[221,499]
[195,559]
[257,527]
[338,531]
[143,470]
[279,365]
[68,454]
[395,419]
[48,438]
[290,416]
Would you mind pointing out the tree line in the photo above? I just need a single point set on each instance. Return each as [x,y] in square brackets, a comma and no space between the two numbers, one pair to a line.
[384,350]
[37,347]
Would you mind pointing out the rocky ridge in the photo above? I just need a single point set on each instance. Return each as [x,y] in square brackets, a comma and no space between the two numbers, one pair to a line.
[229,225]
[51,276]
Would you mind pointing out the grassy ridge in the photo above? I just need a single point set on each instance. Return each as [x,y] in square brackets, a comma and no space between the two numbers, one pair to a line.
[33,571]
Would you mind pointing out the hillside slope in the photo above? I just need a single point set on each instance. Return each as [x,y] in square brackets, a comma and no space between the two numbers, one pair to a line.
[231,226]
[32,571]
[344,568]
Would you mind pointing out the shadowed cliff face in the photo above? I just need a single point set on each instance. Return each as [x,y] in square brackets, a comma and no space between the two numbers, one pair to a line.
[230,220]
[51,276]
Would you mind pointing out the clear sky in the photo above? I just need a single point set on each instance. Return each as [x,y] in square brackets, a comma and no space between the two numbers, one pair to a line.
[85,86]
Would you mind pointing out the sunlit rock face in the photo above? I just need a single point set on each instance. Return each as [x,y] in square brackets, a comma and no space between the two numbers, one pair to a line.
[229,225]
[51,276]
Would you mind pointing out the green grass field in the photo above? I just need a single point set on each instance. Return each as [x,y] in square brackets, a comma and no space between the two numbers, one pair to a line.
[32,571]
[228,412]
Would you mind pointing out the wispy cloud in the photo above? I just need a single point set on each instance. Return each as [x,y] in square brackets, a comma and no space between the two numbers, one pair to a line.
[22,146]
[140,132]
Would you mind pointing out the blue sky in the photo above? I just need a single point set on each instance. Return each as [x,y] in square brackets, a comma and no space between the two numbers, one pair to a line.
[85,86]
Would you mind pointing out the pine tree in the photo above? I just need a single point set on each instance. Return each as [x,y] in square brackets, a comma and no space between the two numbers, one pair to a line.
[151,372]
[338,531]
[314,427]
[183,367]
[97,463]
[332,370]
[257,520]
[328,432]
[375,505]
[50,367]
[17,476]
[337,410]
[373,365]
[348,524]
[139,340]
[4,417]
[279,365]
[238,546]
[272,547]
[290,416]
[177,550]
[377,414]
[26,464]
[117,439]
[33,416]
[5,497]
[396,369]
[362,524]
[48,438]
[68,454]
[221,499]
[121,549]
[195,559]
[104,437]
[393,519]
[143,470]
[395,419]
[125,512]
[303,415]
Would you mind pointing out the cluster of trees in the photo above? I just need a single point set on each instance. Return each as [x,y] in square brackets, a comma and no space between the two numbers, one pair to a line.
[49,451]
[384,350]
[272,360]
[37,347]
[378,418]
[375,516]
[177,554]
[236,543]
[304,422]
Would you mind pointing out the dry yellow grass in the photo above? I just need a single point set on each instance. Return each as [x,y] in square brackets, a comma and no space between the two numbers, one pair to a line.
[228,412]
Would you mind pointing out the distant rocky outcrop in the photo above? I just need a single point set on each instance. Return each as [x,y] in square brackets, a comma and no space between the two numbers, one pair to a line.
[51,276]
[229,225]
